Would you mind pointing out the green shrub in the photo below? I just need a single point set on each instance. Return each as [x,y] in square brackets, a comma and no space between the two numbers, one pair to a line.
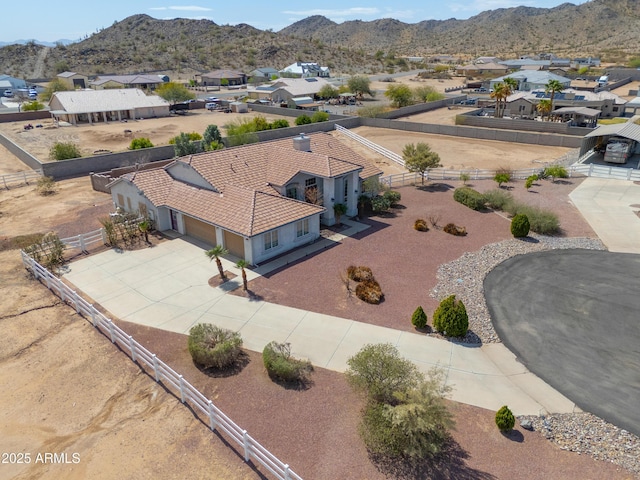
[319,117]
[453,229]
[64,151]
[393,197]
[451,317]
[359,274]
[380,204]
[541,221]
[555,171]
[214,347]
[303,120]
[469,197]
[497,199]
[502,177]
[48,251]
[369,291]
[282,366]
[280,123]
[46,186]
[529,181]
[505,419]
[32,106]
[138,143]
[520,226]
[420,225]
[419,318]
[464,177]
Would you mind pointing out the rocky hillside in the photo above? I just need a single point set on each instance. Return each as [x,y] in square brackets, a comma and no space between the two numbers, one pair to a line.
[606,28]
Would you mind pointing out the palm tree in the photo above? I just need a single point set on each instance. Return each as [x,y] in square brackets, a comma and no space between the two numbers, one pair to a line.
[544,108]
[498,94]
[242,264]
[339,209]
[553,87]
[510,86]
[215,253]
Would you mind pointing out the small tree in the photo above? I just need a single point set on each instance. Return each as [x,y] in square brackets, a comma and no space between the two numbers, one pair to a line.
[211,135]
[451,317]
[420,158]
[339,209]
[242,264]
[464,177]
[184,146]
[328,91]
[529,181]
[32,106]
[303,120]
[520,226]
[360,85]
[144,227]
[214,254]
[555,171]
[64,151]
[427,93]
[400,95]
[214,347]
[505,419]
[174,92]
[419,318]
[502,177]
[139,143]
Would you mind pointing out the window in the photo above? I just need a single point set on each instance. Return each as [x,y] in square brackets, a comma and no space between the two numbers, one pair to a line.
[302,228]
[310,182]
[346,190]
[615,109]
[270,240]
[292,192]
[120,200]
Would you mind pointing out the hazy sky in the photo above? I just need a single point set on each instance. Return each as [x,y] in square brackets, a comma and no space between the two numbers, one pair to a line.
[54,20]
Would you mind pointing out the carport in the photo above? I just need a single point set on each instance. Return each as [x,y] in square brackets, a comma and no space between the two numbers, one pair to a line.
[602,134]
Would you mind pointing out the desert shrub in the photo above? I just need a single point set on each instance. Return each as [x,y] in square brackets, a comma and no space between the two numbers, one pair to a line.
[451,317]
[502,177]
[359,274]
[303,120]
[372,111]
[369,291]
[319,117]
[282,366]
[419,318]
[420,225]
[541,221]
[497,199]
[48,251]
[555,171]
[138,143]
[520,226]
[32,106]
[380,372]
[453,229]
[505,419]
[464,177]
[64,151]
[380,204]
[529,181]
[186,144]
[469,197]
[214,347]
[280,123]
[393,197]
[46,186]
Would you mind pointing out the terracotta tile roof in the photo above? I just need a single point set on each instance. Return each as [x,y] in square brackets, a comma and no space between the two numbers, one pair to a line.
[244,211]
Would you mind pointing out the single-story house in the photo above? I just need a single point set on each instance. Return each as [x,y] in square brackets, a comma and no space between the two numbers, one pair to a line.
[144,82]
[305,70]
[287,88]
[264,74]
[74,80]
[481,68]
[11,83]
[258,200]
[481,60]
[632,107]
[531,80]
[217,78]
[92,106]
[607,103]
[261,92]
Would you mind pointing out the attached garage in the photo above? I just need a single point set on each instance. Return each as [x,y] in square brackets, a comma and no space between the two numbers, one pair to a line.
[200,230]
[234,243]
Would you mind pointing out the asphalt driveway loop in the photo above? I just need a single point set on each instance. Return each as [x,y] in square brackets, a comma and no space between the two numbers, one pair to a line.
[573,318]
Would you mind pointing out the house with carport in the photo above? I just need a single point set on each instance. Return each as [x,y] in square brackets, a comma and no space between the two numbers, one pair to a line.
[217,78]
[258,200]
[144,82]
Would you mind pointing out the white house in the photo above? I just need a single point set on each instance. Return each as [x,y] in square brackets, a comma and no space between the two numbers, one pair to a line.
[257,200]
[529,80]
[305,69]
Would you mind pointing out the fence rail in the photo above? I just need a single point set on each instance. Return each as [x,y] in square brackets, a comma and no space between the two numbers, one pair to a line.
[373,146]
[20,178]
[163,373]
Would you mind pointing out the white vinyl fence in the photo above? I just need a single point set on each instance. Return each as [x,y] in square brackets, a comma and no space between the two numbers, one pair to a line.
[20,178]
[373,146]
[83,240]
[163,373]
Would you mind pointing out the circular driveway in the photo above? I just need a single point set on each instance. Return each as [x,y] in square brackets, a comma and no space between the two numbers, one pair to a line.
[573,318]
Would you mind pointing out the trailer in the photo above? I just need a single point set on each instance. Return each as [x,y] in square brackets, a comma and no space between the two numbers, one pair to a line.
[619,150]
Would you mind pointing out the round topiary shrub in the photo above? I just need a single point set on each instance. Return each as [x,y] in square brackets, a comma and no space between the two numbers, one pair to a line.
[451,317]
[419,318]
[214,347]
[420,225]
[369,291]
[282,366]
[505,419]
[520,226]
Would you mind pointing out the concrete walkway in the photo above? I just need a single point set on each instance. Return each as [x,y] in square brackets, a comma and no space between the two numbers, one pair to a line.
[166,287]
[610,207]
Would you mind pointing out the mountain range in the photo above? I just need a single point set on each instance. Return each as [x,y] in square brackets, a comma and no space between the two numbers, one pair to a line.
[609,29]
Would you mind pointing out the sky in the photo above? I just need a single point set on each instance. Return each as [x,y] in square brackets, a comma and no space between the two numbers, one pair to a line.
[56,20]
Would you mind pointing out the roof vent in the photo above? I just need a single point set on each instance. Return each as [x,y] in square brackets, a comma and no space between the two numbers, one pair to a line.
[302,143]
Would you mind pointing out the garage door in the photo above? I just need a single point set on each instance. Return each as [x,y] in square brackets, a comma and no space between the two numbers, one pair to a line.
[200,230]
[234,243]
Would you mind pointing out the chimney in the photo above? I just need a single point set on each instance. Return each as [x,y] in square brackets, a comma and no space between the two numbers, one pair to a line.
[302,143]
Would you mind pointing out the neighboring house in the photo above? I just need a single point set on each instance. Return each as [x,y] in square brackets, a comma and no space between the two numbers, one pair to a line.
[305,70]
[286,89]
[606,103]
[250,199]
[11,83]
[531,80]
[217,78]
[481,68]
[261,92]
[144,82]
[518,63]
[264,74]
[632,107]
[93,106]
[588,62]
[74,80]
[481,60]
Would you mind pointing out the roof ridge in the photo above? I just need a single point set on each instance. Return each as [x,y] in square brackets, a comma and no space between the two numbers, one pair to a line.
[253,212]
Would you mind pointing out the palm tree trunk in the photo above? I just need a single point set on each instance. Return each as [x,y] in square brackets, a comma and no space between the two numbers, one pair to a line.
[220,269]
[245,286]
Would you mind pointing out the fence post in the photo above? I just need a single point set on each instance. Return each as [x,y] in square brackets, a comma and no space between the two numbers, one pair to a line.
[113,338]
[82,245]
[212,416]
[103,232]
[155,367]
[93,316]
[629,174]
[245,439]
[181,383]
[4,179]
[76,302]
[132,347]
[591,169]
[287,470]
[24,174]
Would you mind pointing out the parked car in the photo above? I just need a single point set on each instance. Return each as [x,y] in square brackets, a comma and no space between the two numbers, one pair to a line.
[212,99]
[8,93]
